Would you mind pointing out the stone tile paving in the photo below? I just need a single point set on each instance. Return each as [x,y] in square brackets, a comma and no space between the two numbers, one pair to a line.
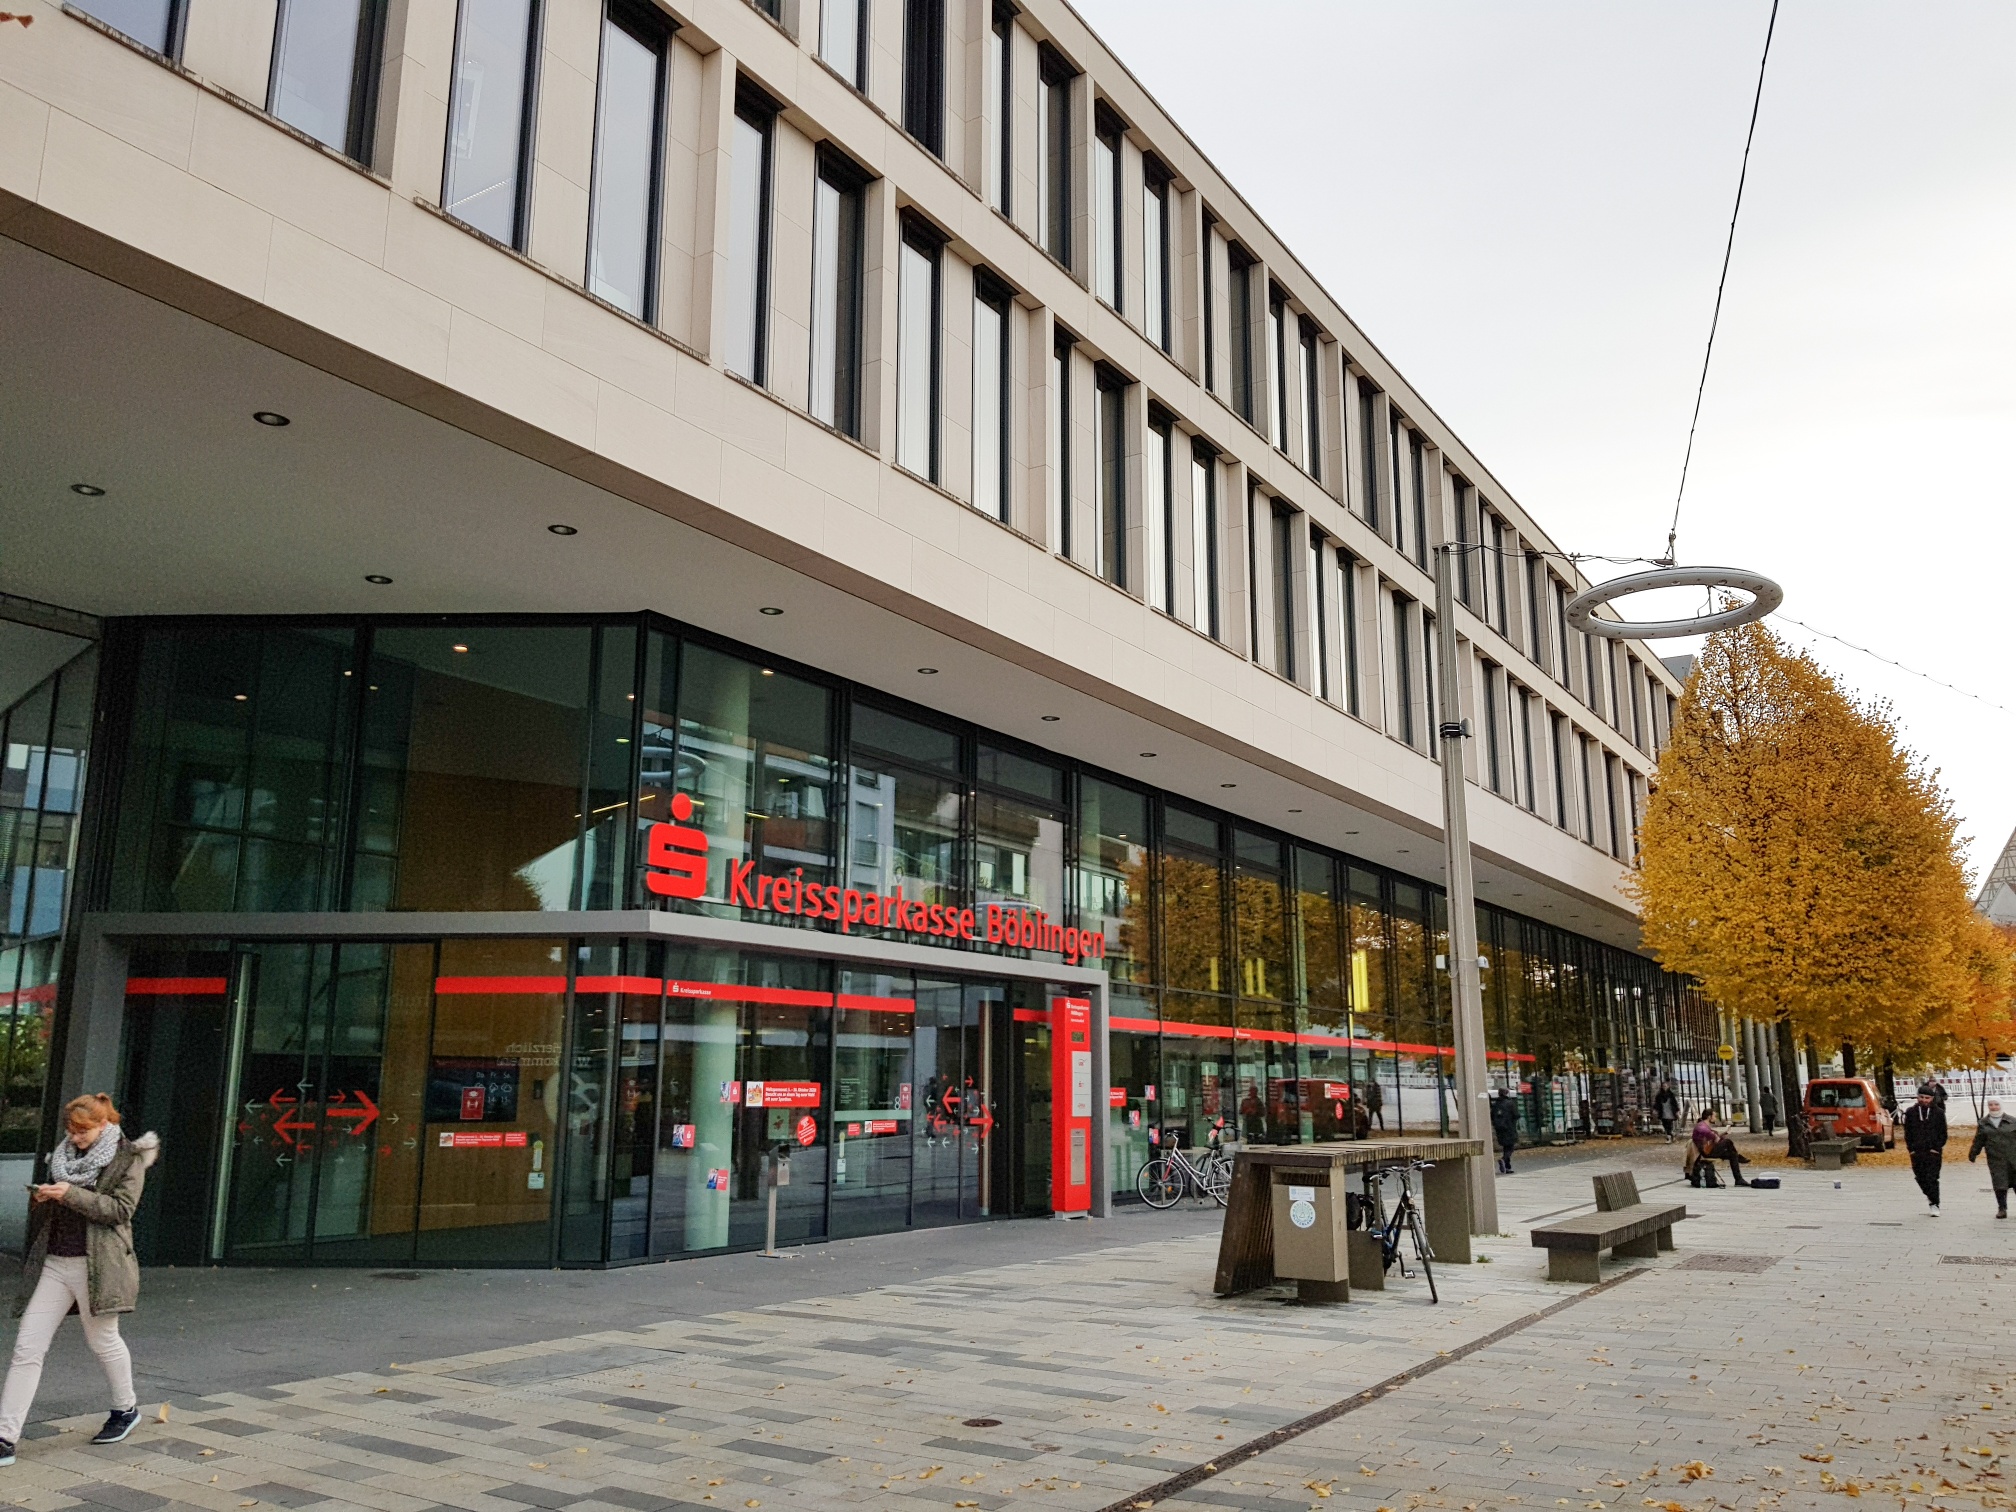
[1810,1366]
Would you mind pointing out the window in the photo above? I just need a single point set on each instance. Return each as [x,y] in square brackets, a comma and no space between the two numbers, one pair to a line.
[917,352]
[1525,735]
[1107,209]
[1403,664]
[1634,681]
[1312,402]
[155,24]
[1585,749]
[1431,647]
[1239,326]
[1277,367]
[1368,436]
[1155,252]
[1559,729]
[489,108]
[1252,574]
[1493,765]
[749,239]
[1001,80]
[1592,675]
[1610,785]
[1398,492]
[325,71]
[1053,163]
[1463,573]
[1060,441]
[1283,545]
[1347,570]
[837,224]
[1497,571]
[1536,637]
[1210,307]
[1320,607]
[1418,451]
[1204,537]
[1158,511]
[623,203]
[843,39]
[1109,414]
[1560,596]
[924,73]
[1610,656]
[993,449]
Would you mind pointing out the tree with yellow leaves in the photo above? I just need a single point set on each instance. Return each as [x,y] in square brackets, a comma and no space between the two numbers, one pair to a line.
[1803,865]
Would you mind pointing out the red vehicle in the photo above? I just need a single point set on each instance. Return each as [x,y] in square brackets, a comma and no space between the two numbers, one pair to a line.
[1847,1107]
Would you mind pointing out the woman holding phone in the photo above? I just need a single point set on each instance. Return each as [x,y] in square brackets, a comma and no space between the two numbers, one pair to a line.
[80,1254]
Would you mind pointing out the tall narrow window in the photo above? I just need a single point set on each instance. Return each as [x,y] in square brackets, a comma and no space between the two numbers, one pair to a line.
[1155,252]
[1158,510]
[1396,435]
[1053,161]
[1210,305]
[1312,402]
[325,71]
[1060,442]
[154,24]
[489,115]
[1252,574]
[1585,752]
[1403,664]
[1592,673]
[1419,450]
[1284,592]
[1561,638]
[917,352]
[1368,438]
[1107,242]
[1239,328]
[1497,569]
[843,39]
[1610,804]
[1204,537]
[1536,635]
[837,228]
[1558,728]
[1610,655]
[992,410]
[1320,608]
[1001,82]
[623,204]
[1277,368]
[924,72]
[1494,773]
[1464,576]
[749,239]
[1347,572]
[1431,661]
[1110,416]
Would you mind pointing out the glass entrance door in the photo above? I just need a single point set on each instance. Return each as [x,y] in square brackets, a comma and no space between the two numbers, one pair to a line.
[959,1110]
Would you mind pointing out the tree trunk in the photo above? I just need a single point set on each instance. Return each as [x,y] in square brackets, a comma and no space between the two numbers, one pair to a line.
[1886,1082]
[1812,1060]
[1796,1137]
[1847,1057]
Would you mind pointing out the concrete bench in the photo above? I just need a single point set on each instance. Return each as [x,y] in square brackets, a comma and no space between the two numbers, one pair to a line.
[1832,1154]
[1622,1224]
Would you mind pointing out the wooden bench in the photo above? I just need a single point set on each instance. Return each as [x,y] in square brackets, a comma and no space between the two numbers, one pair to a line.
[1622,1224]
[1832,1154]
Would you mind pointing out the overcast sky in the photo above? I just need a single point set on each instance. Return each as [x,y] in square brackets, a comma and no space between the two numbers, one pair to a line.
[1524,205]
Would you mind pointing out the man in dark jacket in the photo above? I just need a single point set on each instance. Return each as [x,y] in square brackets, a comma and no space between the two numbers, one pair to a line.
[1925,1138]
[1505,1128]
[1666,1108]
[1996,1133]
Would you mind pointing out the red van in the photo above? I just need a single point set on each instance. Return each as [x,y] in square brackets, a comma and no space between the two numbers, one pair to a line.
[1844,1107]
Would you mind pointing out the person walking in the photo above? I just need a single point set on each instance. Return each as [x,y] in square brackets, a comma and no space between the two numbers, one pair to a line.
[80,1256]
[1505,1127]
[1767,1104]
[1996,1134]
[1666,1108]
[1925,1138]
[1375,1101]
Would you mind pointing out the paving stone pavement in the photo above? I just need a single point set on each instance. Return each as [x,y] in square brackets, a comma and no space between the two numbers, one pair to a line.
[1797,1346]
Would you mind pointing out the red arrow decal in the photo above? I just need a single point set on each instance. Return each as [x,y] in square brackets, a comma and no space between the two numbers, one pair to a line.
[279,1099]
[288,1127]
[365,1116]
[983,1121]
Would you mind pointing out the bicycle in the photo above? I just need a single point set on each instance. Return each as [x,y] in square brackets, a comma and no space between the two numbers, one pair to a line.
[1405,1219]
[1167,1179]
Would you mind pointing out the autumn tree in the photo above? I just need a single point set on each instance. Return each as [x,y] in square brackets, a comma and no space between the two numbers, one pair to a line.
[1801,863]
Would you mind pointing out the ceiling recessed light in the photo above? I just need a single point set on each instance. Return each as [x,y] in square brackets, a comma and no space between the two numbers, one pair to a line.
[1228,784]
[269,417]
[376,577]
[239,697]
[89,490]
[927,671]
[770,609]
[1405,852]
[1350,832]
[1147,755]
[458,646]
[1294,811]
[768,673]
[563,530]
[1052,718]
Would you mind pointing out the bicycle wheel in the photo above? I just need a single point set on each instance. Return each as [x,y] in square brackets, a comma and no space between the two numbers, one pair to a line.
[1160,1183]
[1421,1250]
[1218,1180]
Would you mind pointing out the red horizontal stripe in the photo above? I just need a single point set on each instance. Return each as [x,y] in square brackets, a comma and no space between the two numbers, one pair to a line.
[860,1001]
[1031,1016]
[176,986]
[633,986]
[502,986]
[46,993]
[729,992]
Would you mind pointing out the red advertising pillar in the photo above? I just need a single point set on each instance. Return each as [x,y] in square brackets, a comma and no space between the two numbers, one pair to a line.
[1070,1105]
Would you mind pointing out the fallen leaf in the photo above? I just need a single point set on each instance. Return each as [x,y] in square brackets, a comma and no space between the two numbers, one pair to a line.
[1694,1470]
[541,1465]
[162,1415]
[1819,1459]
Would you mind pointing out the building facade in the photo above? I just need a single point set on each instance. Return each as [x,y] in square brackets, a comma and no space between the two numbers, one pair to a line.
[655,585]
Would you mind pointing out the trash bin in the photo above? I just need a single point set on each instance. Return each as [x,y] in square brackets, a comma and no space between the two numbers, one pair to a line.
[1309,1230]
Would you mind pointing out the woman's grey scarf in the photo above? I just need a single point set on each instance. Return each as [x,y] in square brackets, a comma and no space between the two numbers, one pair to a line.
[81,1168]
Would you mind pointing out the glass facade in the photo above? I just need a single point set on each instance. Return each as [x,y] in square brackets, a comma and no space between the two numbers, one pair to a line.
[399,765]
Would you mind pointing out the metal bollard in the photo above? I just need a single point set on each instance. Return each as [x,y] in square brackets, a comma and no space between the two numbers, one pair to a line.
[776,1173]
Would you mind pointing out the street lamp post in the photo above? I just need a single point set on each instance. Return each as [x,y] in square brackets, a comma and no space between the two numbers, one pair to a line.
[1466,988]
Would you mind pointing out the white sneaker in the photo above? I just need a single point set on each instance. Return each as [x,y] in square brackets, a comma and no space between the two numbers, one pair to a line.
[1935,1210]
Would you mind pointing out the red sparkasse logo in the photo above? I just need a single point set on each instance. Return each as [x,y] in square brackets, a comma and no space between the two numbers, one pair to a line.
[676,855]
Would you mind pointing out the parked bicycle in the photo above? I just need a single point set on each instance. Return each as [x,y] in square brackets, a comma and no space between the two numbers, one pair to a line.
[1169,1178]
[1405,1219]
